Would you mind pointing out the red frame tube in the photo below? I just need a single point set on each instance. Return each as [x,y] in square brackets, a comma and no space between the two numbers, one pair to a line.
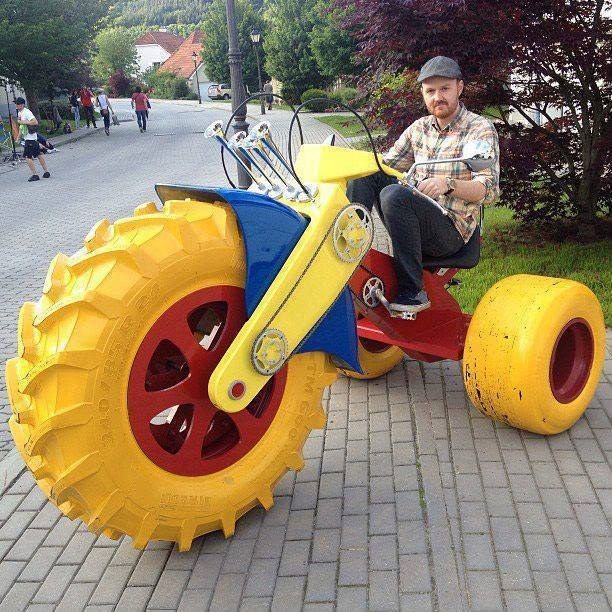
[437,333]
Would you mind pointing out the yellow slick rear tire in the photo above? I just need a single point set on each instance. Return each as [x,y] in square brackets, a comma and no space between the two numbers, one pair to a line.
[375,363]
[68,386]
[534,352]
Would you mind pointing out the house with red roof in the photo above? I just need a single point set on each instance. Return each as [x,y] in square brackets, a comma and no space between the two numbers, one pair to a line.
[186,65]
[155,47]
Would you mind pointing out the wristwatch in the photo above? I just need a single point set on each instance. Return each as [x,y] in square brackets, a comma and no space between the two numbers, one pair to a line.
[451,184]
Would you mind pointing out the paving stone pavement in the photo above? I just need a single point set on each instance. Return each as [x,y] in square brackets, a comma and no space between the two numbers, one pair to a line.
[409,499]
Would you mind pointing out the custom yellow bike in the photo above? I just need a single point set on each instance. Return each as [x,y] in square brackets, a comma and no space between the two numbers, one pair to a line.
[173,368]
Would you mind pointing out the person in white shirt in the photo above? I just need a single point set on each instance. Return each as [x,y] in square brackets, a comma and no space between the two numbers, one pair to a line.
[105,110]
[31,149]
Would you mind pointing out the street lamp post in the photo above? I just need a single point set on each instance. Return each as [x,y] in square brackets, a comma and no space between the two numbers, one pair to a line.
[194,55]
[238,94]
[256,40]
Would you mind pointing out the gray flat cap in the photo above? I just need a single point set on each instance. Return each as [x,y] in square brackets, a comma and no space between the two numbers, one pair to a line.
[440,66]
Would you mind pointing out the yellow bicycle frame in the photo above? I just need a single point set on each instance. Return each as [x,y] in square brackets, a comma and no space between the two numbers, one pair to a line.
[310,280]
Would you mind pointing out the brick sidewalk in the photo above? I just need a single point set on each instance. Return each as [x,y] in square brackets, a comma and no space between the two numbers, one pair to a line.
[409,499]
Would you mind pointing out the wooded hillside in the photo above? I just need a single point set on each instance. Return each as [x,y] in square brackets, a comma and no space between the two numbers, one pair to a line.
[159,12]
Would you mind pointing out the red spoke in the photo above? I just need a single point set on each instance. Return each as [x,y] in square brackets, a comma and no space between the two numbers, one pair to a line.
[148,404]
[181,416]
[203,414]
[234,320]
[183,338]
[248,426]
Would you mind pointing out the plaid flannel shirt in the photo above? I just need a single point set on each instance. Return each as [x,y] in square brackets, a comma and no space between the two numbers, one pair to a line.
[424,140]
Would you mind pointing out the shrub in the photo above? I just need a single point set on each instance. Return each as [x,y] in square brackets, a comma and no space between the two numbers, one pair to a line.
[336,97]
[319,106]
[347,95]
[290,94]
[180,88]
[46,112]
[167,85]
[120,84]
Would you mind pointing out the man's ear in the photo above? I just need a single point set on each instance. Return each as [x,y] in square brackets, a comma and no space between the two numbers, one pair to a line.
[459,87]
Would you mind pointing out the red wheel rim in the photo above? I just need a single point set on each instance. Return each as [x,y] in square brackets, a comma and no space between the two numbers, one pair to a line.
[571,361]
[172,418]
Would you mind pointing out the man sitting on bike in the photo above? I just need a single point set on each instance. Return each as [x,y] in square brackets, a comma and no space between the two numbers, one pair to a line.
[417,227]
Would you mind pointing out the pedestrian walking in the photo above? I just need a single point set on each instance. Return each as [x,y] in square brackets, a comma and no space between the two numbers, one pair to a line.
[74,107]
[105,110]
[269,90]
[31,150]
[140,102]
[87,103]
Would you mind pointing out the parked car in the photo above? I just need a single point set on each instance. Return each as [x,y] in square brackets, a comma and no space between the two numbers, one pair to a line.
[221,91]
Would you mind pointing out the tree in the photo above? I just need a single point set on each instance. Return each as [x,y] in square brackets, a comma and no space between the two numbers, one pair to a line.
[333,48]
[533,58]
[158,12]
[119,84]
[44,44]
[216,44]
[115,52]
[289,57]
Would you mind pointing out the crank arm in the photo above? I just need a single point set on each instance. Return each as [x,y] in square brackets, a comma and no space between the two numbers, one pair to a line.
[306,287]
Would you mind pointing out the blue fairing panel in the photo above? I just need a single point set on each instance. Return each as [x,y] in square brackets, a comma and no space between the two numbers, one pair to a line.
[270,231]
[336,333]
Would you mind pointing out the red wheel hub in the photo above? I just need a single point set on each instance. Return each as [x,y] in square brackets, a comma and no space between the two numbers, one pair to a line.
[172,418]
[571,361]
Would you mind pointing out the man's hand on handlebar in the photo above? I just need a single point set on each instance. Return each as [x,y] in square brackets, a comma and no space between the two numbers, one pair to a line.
[433,187]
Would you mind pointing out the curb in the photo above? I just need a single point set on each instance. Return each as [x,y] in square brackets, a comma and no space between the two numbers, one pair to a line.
[166,101]
[77,136]
[206,105]
[11,467]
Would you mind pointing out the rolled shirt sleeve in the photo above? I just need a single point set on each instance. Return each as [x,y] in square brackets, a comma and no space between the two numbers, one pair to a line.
[401,156]
[489,177]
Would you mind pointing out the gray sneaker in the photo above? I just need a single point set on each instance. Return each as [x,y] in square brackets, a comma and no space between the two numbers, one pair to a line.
[406,302]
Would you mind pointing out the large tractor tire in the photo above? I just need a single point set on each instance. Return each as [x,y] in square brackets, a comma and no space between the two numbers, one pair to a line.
[534,352]
[109,391]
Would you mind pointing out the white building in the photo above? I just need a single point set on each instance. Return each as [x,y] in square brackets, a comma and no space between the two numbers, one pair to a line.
[186,65]
[154,48]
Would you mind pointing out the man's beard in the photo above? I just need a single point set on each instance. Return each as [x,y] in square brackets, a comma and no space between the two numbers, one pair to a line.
[441,111]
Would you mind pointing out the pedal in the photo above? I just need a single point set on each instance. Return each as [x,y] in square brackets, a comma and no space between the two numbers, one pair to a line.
[396,314]
[402,314]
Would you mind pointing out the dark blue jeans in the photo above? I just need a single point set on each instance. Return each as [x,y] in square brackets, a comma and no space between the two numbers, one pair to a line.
[416,226]
[141,117]
[89,115]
